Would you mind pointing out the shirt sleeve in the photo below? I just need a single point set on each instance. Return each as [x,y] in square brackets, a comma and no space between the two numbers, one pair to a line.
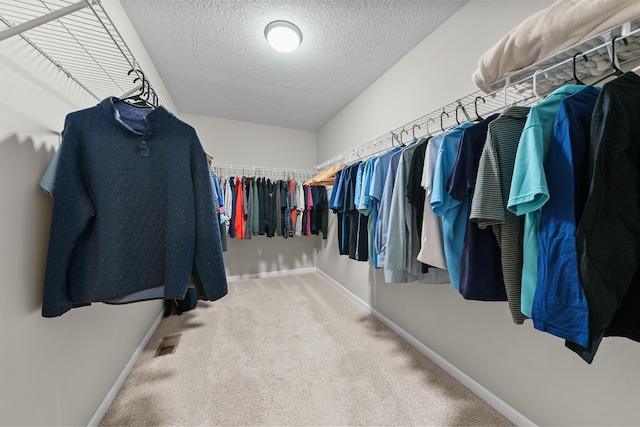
[487,204]
[529,191]
[73,210]
[208,262]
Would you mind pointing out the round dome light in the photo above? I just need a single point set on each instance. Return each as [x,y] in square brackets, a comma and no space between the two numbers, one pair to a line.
[283,36]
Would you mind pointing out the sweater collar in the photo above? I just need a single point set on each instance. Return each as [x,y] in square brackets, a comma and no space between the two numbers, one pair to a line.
[155,119]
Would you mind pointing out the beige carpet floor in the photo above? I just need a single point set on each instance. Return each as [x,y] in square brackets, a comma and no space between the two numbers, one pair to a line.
[290,350]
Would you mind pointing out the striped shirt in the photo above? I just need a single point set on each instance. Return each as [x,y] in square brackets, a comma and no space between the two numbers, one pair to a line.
[489,204]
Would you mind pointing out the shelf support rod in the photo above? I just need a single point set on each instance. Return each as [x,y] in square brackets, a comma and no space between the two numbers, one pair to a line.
[20,28]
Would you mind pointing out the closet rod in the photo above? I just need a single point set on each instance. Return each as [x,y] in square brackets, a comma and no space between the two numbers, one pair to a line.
[36,22]
[519,94]
[266,170]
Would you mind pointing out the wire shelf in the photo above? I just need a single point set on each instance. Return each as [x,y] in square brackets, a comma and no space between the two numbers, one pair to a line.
[84,44]
[524,87]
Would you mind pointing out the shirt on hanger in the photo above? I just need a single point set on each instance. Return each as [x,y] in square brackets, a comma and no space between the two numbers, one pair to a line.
[382,224]
[560,305]
[607,234]
[453,212]
[489,202]
[528,184]
[130,221]
[481,267]
[431,238]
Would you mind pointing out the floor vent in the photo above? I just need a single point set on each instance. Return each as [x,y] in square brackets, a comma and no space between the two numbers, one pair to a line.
[168,345]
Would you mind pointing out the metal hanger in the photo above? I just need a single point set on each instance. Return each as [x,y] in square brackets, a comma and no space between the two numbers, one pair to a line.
[413,129]
[616,71]
[401,132]
[457,106]
[433,120]
[475,107]
[441,124]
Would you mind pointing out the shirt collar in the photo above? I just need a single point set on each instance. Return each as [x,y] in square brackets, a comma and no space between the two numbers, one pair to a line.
[156,118]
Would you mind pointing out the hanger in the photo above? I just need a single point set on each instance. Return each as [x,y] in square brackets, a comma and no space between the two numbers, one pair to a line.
[457,106]
[441,124]
[575,76]
[428,131]
[616,71]
[535,85]
[401,132]
[413,129]
[394,136]
[140,99]
[475,107]
[614,59]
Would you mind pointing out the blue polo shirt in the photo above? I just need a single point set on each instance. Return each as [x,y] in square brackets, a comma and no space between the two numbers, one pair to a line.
[452,211]
[560,305]
[378,178]
[529,183]
[481,267]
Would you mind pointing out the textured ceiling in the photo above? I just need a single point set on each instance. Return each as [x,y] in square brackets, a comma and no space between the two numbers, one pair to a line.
[214,59]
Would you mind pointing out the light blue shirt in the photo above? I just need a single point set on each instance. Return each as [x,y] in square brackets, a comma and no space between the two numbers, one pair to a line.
[452,211]
[382,224]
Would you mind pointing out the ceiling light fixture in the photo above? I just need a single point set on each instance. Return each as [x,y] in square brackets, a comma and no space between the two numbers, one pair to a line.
[283,36]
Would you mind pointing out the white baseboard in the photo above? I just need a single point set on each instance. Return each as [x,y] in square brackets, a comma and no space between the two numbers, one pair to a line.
[272,274]
[494,401]
[111,395]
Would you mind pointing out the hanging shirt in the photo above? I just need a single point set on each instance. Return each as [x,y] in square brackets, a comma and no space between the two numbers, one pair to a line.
[366,207]
[560,305]
[403,241]
[382,224]
[480,268]
[285,208]
[234,203]
[300,207]
[453,212]
[248,206]
[415,191]
[431,238]
[133,214]
[228,203]
[255,217]
[529,184]
[278,194]
[270,218]
[489,202]
[608,233]
[262,210]
[336,203]
[378,179]
[240,209]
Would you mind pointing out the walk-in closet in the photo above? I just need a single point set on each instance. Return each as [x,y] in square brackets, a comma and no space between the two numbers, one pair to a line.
[426,214]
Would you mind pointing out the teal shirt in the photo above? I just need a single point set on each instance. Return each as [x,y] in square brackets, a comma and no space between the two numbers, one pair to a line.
[529,190]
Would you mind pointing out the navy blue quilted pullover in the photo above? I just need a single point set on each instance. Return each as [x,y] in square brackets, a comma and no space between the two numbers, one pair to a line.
[133,213]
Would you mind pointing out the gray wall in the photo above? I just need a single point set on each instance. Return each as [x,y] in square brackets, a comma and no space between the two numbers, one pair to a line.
[528,369]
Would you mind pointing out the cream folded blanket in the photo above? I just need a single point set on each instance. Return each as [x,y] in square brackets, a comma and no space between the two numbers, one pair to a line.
[549,31]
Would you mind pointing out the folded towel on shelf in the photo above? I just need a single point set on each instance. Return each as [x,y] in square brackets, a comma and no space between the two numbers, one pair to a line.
[549,31]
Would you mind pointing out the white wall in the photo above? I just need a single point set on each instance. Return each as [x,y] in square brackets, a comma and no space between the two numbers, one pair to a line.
[529,370]
[55,371]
